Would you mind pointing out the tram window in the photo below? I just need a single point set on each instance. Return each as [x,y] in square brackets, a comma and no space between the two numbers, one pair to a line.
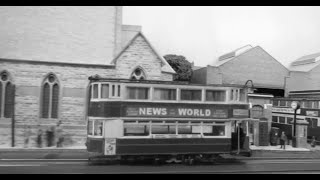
[119,90]
[188,129]
[90,126]
[164,94]
[113,90]
[236,95]
[136,130]
[213,130]
[137,93]
[275,102]
[242,95]
[163,129]
[190,95]
[98,128]
[104,90]
[231,95]
[95,91]
[214,95]
[196,129]
[184,129]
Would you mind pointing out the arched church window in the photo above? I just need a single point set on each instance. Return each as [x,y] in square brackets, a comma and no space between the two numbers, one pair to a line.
[6,95]
[138,74]
[50,97]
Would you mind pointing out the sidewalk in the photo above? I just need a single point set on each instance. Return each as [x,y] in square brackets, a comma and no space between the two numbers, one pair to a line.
[76,152]
[275,152]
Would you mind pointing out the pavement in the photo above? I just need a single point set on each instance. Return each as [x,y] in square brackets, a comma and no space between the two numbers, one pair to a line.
[80,153]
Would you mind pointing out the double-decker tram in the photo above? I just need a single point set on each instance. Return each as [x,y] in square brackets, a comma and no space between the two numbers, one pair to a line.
[164,121]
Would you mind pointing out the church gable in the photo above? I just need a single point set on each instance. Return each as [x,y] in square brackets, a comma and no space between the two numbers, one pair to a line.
[140,54]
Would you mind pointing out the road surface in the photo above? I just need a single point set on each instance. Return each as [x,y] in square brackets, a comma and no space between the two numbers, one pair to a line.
[82,167]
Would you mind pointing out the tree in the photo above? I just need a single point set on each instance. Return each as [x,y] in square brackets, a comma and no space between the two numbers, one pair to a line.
[181,65]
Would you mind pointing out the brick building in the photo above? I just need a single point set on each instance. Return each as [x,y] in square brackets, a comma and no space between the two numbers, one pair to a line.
[46,57]
[249,66]
[302,86]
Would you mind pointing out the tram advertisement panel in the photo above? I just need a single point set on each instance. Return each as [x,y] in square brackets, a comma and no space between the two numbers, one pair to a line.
[110,146]
[167,110]
[176,112]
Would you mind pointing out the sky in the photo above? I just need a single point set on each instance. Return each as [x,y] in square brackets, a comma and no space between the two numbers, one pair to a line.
[203,33]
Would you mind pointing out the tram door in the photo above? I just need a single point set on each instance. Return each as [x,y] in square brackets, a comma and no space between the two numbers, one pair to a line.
[239,134]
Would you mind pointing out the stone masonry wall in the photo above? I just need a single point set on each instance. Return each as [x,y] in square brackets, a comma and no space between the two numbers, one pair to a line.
[140,54]
[73,83]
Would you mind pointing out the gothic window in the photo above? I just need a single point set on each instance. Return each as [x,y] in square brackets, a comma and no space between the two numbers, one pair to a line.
[6,95]
[138,74]
[50,97]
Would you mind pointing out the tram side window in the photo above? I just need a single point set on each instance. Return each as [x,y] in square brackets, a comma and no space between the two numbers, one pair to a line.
[190,95]
[189,129]
[95,91]
[164,94]
[214,95]
[163,129]
[104,90]
[213,130]
[136,130]
[137,93]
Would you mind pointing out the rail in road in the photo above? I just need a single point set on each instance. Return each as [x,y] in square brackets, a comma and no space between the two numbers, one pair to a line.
[78,167]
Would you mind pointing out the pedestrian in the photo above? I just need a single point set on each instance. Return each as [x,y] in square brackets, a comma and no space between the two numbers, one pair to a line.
[50,136]
[58,134]
[39,137]
[27,134]
[313,141]
[283,140]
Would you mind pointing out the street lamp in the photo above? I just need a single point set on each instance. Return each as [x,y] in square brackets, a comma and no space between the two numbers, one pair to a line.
[295,106]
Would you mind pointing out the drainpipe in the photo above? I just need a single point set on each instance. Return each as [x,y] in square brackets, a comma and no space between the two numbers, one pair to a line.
[12,117]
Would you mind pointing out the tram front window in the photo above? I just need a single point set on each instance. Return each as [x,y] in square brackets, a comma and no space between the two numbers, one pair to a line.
[98,128]
[90,128]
